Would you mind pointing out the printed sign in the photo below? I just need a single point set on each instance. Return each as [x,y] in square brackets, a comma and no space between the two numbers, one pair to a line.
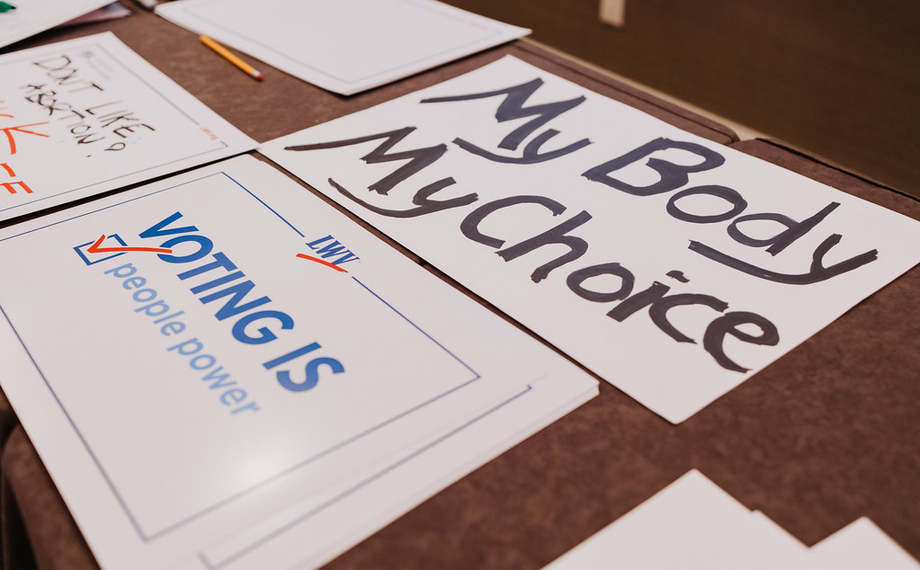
[89,115]
[193,357]
[672,266]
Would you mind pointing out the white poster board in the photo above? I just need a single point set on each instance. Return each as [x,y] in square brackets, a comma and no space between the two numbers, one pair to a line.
[33,16]
[346,46]
[693,523]
[673,267]
[89,115]
[201,356]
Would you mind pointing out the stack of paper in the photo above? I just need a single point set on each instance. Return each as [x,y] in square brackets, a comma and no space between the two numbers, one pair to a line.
[694,524]
[221,369]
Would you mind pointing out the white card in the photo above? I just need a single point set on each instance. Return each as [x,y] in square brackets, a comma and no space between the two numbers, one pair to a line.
[111,11]
[33,16]
[692,523]
[773,546]
[345,46]
[673,267]
[89,115]
[310,535]
[861,545]
[193,356]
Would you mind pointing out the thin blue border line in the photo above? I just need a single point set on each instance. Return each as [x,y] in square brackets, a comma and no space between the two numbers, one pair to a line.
[273,211]
[161,165]
[95,459]
[304,463]
[417,327]
[152,536]
[107,207]
[144,81]
[149,86]
[204,560]
[351,82]
[345,494]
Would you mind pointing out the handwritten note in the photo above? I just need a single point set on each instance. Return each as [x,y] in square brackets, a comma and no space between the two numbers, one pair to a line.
[227,349]
[89,115]
[672,266]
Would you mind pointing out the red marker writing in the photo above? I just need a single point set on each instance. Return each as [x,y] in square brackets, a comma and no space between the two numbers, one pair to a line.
[95,248]
[322,261]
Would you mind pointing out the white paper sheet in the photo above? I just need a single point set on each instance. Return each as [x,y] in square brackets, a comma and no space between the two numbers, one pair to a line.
[346,46]
[311,535]
[672,266]
[111,11]
[275,356]
[33,16]
[774,548]
[89,115]
[693,523]
[861,545]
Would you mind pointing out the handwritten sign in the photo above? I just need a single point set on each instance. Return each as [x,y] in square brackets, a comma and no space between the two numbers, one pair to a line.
[185,372]
[672,266]
[89,115]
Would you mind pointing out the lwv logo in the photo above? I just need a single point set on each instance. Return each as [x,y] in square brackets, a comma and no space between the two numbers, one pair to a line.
[332,251]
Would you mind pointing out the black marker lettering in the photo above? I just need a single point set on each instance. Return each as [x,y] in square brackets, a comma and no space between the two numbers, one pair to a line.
[671,176]
[779,242]
[557,235]
[728,324]
[576,281]
[735,200]
[470,224]
[421,199]
[511,108]
[419,158]
[817,272]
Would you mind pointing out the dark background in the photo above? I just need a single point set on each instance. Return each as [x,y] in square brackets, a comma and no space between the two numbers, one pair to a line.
[838,78]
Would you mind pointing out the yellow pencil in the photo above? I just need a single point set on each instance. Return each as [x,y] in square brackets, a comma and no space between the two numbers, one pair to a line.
[230,57]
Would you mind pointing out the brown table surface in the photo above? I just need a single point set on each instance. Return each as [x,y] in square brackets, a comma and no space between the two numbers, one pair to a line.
[827,434]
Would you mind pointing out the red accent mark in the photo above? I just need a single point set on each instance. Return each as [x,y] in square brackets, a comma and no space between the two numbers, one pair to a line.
[20,129]
[96,249]
[322,261]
